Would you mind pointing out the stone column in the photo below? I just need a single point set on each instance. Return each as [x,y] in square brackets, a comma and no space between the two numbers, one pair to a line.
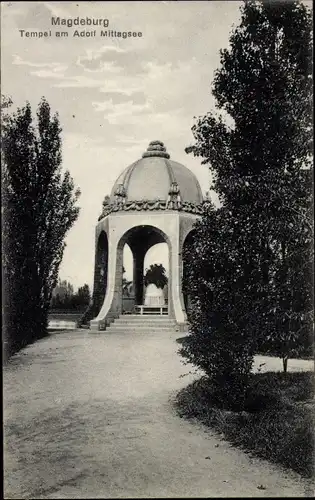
[138,261]
[176,299]
[116,307]
[100,281]
[112,306]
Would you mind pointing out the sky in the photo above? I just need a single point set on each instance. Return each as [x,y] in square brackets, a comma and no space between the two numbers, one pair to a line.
[115,95]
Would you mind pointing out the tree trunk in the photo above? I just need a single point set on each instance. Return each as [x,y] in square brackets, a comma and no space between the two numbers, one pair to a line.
[285,364]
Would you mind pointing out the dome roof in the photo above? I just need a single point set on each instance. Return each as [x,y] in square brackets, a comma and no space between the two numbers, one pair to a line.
[152,177]
[155,183]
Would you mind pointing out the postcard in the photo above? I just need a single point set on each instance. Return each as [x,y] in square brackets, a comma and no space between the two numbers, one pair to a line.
[157,240]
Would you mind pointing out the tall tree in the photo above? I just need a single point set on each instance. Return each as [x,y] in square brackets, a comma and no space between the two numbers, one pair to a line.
[39,208]
[258,148]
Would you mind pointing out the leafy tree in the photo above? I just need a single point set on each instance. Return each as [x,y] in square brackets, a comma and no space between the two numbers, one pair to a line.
[222,279]
[63,288]
[249,265]
[84,295]
[39,208]
[63,296]
[156,274]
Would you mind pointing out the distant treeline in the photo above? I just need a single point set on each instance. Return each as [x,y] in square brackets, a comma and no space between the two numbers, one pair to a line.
[65,299]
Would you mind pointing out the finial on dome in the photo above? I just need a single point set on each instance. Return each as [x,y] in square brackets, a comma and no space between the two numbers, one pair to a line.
[156,149]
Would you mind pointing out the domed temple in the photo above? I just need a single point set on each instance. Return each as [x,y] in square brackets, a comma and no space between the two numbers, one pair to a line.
[154,200]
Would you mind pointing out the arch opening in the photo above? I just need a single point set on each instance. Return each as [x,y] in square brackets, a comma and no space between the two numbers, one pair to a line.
[156,264]
[128,297]
[148,246]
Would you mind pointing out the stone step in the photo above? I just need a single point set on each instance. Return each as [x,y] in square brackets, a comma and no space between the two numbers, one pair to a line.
[153,316]
[154,323]
[142,328]
[136,323]
[143,325]
[140,332]
[121,321]
[143,316]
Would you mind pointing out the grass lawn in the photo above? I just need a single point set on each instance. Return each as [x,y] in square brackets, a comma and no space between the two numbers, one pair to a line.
[277,423]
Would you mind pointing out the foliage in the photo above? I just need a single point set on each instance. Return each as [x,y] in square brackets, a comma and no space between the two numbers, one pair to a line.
[156,274]
[64,298]
[38,211]
[277,424]
[223,281]
[249,266]
[83,294]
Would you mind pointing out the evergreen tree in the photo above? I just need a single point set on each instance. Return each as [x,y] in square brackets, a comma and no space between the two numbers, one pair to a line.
[250,262]
[38,211]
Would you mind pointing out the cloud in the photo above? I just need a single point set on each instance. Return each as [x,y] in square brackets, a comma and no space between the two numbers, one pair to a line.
[161,84]
[118,96]
[54,66]
[97,53]
[147,115]
[125,111]
[124,85]
[96,59]
[161,91]
[79,81]
[156,70]
[117,83]
[95,66]
[110,58]
[102,59]
[44,73]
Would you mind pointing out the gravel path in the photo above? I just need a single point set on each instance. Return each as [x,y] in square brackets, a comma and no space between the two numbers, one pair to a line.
[89,416]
